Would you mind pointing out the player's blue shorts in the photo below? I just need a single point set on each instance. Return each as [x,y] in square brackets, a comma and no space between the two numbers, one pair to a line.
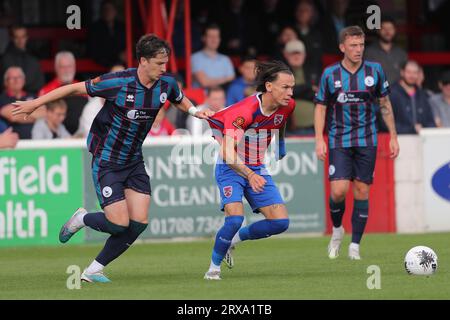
[111,179]
[232,187]
[355,163]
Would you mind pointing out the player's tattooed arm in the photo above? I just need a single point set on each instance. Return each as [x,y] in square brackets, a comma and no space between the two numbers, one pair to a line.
[388,114]
[388,117]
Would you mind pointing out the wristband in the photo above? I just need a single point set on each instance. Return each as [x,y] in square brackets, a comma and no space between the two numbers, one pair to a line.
[192,111]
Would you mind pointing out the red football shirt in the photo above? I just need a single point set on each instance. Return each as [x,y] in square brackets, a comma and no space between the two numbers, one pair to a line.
[252,129]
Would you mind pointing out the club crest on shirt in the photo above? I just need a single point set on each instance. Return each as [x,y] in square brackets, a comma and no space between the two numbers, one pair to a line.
[228,191]
[163,97]
[239,122]
[369,81]
[278,119]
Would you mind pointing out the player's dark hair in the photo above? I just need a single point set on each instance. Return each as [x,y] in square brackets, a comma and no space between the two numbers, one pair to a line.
[268,72]
[352,31]
[149,46]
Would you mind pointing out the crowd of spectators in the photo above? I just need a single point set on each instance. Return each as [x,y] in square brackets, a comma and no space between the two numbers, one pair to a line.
[299,37]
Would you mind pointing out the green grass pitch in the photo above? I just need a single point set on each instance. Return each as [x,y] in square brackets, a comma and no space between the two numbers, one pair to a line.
[276,268]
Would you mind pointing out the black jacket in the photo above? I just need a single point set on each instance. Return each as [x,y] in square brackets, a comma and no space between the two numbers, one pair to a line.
[410,110]
[30,65]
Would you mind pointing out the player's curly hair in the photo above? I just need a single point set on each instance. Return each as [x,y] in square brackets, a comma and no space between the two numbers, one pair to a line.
[149,46]
[268,72]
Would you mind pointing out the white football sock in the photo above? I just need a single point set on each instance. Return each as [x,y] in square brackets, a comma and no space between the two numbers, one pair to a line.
[95,267]
[213,267]
[79,220]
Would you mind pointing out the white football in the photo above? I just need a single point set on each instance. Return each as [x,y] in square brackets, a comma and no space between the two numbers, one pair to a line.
[421,261]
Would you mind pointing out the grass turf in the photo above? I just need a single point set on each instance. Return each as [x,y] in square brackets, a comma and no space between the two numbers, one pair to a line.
[277,268]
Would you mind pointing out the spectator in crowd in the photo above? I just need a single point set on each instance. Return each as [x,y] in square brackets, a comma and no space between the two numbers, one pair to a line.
[51,127]
[287,34]
[236,90]
[178,38]
[386,52]
[302,119]
[16,55]
[14,82]
[264,35]
[235,27]
[106,37]
[209,67]
[8,139]
[308,31]
[215,101]
[65,69]
[440,103]
[333,22]
[412,110]
[91,109]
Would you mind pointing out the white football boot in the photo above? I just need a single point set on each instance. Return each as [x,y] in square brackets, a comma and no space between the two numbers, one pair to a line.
[335,242]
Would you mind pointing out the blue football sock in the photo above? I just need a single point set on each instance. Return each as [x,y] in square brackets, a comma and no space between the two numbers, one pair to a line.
[337,212]
[263,229]
[224,236]
[359,219]
[117,244]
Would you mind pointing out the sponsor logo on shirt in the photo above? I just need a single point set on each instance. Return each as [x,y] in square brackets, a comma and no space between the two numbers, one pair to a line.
[353,97]
[130,98]
[338,84]
[138,114]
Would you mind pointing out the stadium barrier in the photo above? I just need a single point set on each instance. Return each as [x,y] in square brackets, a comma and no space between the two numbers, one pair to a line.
[422,175]
[43,182]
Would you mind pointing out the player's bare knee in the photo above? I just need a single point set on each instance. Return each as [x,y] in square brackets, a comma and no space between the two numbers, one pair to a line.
[338,195]
[361,191]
